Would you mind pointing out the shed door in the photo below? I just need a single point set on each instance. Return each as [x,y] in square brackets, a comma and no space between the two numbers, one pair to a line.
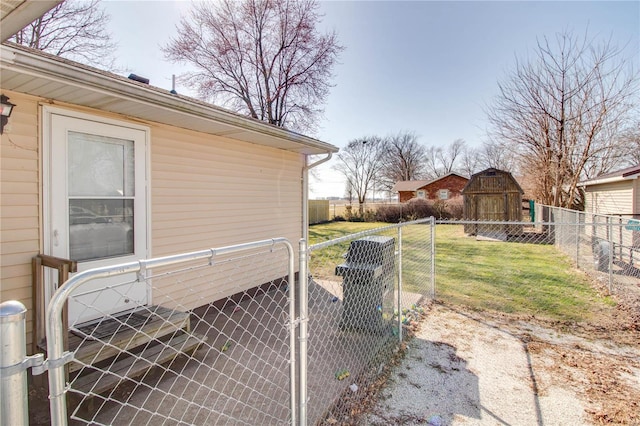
[491,207]
[98,208]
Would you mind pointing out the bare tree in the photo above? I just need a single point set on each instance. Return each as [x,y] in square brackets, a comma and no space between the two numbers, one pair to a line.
[561,111]
[403,159]
[629,142]
[348,192]
[469,161]
[263,58]
[76,30]
[498,155]
[360,163]
[442,161]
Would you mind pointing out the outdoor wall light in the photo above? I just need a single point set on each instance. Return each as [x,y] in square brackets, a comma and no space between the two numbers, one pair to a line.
[7,108]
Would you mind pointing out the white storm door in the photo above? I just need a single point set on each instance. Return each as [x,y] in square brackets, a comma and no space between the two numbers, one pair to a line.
[98,208]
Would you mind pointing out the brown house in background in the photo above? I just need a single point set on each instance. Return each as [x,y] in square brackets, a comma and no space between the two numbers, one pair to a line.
[443,188]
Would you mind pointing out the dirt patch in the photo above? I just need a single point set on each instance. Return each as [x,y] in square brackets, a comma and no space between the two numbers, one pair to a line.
[480,368]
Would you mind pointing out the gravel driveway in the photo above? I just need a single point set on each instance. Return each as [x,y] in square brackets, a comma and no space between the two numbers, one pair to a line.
[470,368]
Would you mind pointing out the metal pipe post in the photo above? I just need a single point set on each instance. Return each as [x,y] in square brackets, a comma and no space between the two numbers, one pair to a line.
[14,404]
[433,257]
[400,284]
[291,285]
[611,249]
[578,239]
[303,308]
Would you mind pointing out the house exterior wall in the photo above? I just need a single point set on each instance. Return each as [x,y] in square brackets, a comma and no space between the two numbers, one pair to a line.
[453,183]
[19,203]
[615,198]
[636,197]
[404,196]
[205,192]
[214,192]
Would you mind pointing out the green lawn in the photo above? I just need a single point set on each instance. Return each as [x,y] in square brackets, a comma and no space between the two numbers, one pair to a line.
[322,262]
[527,279]
[331,230]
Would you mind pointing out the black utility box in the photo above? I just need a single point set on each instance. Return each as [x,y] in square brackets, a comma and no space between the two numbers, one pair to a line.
[367,287]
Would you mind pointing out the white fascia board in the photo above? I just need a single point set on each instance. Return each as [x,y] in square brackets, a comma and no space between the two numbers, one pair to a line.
[612,179]
[24,14]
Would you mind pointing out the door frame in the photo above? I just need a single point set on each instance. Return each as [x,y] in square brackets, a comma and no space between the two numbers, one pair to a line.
[47,112]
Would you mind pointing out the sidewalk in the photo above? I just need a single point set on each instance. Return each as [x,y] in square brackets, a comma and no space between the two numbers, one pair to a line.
[461,371]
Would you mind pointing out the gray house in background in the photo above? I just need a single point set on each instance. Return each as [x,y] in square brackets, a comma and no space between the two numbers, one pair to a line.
[616,193]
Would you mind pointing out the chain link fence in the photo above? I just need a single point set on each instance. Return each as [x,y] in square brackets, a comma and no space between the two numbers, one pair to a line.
[607,247]
[193,356]
[532,266]
[364,289]
[196,356]
[188,353]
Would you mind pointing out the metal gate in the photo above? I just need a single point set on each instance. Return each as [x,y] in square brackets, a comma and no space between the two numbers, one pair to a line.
[224,339]
[195,355]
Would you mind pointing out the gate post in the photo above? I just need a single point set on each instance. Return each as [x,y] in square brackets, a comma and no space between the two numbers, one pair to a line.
[14,407]
[303,307]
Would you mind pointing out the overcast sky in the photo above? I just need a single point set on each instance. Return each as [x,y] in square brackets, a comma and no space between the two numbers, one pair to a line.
[429,67]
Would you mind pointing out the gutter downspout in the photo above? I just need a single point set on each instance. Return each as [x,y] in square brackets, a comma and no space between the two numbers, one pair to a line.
[305,193]
[303,301]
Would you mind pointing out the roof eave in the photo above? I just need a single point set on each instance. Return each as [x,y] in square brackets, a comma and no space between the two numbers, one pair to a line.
[612,179]
[22,14]
[117,88]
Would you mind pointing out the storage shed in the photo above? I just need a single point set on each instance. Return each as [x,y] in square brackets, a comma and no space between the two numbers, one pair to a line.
[493,195]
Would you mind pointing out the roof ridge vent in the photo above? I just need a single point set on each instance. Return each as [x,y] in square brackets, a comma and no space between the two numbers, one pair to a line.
[139,79]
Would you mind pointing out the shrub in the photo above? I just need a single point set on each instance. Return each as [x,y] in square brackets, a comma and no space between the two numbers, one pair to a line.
[348,215]
[456,208]
[414,209]
[389,214]
[418,209]
[369,215]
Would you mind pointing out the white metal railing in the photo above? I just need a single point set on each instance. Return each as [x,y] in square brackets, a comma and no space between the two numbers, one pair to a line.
[205,399]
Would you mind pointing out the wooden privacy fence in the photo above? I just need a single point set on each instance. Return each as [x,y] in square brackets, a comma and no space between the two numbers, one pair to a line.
[318,211]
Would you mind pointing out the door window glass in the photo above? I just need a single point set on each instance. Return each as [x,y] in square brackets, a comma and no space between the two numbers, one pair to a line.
[101,196]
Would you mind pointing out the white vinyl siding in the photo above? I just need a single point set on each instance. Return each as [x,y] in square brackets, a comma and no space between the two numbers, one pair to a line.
[205,192]
[611,199]
[636,197]
[19,203]
[212,192]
